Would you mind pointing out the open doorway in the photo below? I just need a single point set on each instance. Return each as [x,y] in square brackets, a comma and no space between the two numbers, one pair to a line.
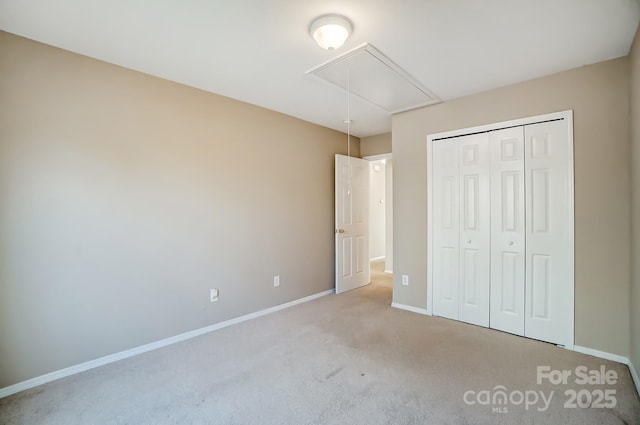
[358,263]
[381,213]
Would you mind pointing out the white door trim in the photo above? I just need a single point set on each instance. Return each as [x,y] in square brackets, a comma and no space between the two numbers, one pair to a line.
[565,115]
[378,157]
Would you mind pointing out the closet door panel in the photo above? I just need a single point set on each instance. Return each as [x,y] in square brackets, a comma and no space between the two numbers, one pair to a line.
[446,228]
[549,267]
[475,225]
[507,230]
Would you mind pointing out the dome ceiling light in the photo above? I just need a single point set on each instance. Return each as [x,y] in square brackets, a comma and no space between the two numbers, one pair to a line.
[330,31]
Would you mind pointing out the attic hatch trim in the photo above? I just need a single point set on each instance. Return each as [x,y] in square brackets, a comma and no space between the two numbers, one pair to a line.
[385,61]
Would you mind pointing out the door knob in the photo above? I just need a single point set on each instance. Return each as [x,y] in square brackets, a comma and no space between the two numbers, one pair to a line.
[469,241]
[339,230]
[510,242]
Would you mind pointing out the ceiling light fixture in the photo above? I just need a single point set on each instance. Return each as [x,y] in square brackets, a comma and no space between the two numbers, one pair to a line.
[330,31]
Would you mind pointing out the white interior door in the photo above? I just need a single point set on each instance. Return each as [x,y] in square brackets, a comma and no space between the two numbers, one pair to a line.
[549,242]
[446,227]
[352,223]
[475,229]
[507,230]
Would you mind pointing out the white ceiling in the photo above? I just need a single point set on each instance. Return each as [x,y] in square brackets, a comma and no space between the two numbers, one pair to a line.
[258,51]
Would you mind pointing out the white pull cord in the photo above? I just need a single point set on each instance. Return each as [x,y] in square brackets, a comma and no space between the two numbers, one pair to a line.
[348,113]
[349,130]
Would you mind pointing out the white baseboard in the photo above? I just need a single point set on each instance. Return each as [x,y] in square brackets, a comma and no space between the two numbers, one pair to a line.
[614,358]
[389,271]
[371,260]
[601,354]
[634,376]
[62,373]
[410,308]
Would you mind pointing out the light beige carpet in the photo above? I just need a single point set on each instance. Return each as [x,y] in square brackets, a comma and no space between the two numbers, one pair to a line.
[342,359]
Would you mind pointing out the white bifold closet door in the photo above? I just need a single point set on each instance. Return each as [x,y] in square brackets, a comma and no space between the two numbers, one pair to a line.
[549,262]
[475,229]
[507,230]
[502,230]
[462,229]
[446,232]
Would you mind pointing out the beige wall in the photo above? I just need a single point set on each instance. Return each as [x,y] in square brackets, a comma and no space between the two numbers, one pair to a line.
[635,202]
[124,198]
[375,145]
[599,96]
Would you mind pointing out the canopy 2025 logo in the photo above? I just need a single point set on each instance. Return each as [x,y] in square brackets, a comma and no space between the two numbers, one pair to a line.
[585,396]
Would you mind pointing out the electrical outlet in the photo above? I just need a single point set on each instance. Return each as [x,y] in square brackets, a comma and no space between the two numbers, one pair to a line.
[213,295]
[405,280]
[276,280]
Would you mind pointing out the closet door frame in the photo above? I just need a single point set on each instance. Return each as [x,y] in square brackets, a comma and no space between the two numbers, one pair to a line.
[567,116]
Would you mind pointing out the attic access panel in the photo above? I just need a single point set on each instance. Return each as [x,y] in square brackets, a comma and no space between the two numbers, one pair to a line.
[372,76]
